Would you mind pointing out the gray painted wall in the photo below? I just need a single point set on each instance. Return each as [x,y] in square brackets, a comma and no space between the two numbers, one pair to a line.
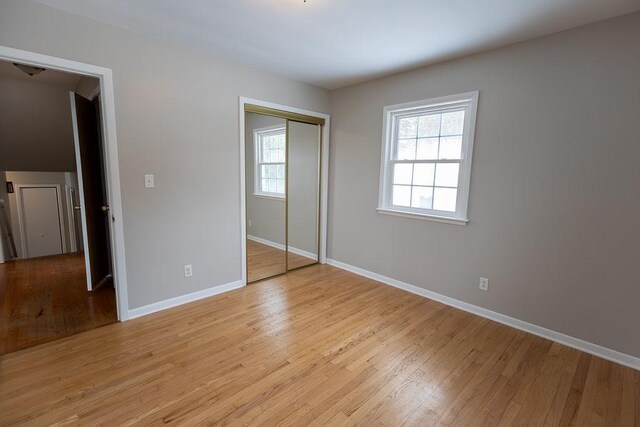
[87,86]
[176,117]
[554,186]
[267,215]
[35,125]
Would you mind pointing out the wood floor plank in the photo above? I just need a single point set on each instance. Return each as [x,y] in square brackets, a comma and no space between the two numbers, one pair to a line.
[558,366]
[574,398]
[317,346]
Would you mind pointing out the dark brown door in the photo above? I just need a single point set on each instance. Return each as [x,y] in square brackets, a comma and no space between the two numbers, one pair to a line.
[88,139]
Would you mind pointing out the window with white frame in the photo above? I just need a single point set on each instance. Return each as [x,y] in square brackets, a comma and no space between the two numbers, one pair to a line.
[426,160]
[270,161]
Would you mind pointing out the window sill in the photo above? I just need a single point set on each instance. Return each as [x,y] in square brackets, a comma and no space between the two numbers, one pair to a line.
[264,196]
[426,217]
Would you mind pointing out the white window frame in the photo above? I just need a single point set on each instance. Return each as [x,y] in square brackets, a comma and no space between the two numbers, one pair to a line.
[392,113]
[257,135]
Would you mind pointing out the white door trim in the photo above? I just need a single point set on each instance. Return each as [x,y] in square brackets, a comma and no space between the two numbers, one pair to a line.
[73,247]
[112,170]
[324,182]
[23,240]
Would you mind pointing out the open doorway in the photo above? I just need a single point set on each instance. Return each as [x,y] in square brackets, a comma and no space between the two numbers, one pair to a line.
[56,262]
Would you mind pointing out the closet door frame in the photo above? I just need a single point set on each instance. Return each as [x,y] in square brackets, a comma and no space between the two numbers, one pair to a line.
[22,220]
[263,107]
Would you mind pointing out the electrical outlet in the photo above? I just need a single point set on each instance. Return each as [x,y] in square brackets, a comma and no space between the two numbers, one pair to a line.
[249,223]
[484,284]
[149,181]
[188,270]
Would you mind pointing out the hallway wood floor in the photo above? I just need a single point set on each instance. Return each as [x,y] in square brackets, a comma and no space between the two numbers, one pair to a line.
[318,346]
[45,299]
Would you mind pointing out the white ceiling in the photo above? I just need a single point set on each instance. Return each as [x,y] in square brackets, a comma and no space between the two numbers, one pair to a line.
[334,43]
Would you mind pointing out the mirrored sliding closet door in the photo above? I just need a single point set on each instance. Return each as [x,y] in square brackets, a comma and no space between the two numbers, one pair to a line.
[282,168]
[303,188]
[265,170]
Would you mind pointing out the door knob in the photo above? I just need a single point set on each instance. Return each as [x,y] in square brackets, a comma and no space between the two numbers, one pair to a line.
[105,208]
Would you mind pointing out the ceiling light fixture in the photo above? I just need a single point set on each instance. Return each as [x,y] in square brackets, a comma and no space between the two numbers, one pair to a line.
[28,69]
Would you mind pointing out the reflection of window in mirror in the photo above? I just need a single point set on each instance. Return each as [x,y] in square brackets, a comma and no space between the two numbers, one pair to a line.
[270,158]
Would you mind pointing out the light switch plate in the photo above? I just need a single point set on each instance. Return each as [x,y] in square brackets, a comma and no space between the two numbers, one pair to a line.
[149,181]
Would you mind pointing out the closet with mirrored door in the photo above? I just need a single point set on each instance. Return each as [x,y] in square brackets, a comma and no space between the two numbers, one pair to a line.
[283,153]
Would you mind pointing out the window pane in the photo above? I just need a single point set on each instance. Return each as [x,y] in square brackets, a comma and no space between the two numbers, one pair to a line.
[406,149]
[402,173]
[444,199]
[452,123]
[447,174]
[402,195]
[429,126]
[264,172]
[423,174]
[422,197]
[280,172]
[427,149]
[266,157]
[450,147]
[408,128]
[280,186]
[273,187]
[265,186]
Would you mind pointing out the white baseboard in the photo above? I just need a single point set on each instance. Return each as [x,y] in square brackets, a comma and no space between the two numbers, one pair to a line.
[183,299]
[578,344]
[282,247]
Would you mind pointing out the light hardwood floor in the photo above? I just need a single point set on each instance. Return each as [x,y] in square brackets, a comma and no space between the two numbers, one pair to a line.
[318,346]
[45,299]
[266,261]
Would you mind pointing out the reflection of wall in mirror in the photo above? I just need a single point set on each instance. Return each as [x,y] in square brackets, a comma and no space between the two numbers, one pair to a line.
[304,142]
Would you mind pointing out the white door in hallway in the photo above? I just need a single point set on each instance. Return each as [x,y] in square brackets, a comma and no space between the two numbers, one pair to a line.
[40,217]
